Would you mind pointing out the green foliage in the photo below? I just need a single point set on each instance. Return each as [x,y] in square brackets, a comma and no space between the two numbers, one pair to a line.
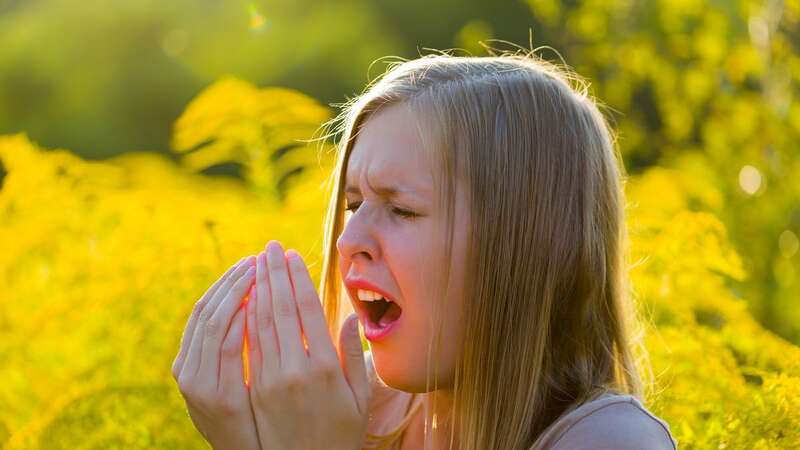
[264,130]
[705,88]
[723,380]
[120,417]
[103,261]
[103,77]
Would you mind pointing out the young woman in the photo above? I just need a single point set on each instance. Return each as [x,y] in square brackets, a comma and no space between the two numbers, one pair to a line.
[476,227]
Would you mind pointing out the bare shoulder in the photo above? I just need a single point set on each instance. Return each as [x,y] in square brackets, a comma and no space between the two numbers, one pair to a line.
[618,422]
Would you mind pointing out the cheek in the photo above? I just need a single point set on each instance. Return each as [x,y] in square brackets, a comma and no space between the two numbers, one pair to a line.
[425,308]
[417,264]
[409,260]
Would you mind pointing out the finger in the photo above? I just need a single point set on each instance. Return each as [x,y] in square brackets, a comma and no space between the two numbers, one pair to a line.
[293,353]
[312,317]
[192,362]
[186,339]
[265,320]
[231,370]
[217,326]
[251,331]
[226,287]
[355,368]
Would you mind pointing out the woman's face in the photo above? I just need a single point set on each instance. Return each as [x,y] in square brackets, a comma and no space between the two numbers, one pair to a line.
[402,256]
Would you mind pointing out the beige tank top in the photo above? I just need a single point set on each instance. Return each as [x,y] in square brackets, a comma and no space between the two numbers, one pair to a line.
[610,421]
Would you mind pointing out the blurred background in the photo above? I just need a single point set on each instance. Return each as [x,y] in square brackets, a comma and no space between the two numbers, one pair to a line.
[146,146]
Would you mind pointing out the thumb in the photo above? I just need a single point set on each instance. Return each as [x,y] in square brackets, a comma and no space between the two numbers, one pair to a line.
[355,368]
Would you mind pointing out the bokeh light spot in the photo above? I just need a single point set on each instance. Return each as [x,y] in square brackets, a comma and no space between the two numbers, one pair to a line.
[749,179]
[257,20]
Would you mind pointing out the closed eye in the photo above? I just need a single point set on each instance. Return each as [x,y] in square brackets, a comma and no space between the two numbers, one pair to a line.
[353,207]
[404,213]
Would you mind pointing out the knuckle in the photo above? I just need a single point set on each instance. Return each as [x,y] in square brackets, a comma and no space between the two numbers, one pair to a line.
[226,406]
[354,351]
[275,266]
[186,388]
[325,372]
[264,393]
[293,382]
[203,397]
[268,396]
[198,306]
[212,328]
[307,304]
[267,319]
[205,315]
[286,309]
[250,310]
[230,348]
[241,284]
[262,276]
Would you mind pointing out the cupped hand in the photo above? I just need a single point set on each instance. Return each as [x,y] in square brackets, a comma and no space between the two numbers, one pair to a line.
[302,398]
[209,367]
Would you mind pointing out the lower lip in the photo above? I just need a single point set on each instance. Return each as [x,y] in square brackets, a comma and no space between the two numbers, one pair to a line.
[375,333]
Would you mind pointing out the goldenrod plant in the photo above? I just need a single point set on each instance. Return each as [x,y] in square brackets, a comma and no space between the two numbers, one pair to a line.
[102,261]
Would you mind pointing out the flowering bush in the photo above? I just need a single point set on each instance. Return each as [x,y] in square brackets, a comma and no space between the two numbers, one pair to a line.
[102,262]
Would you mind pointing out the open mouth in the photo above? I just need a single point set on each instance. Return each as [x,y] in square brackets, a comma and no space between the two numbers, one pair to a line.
[376,309]
[381,312]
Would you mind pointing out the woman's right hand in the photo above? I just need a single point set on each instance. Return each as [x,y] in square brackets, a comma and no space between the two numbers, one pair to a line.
[209,368]
[302,398]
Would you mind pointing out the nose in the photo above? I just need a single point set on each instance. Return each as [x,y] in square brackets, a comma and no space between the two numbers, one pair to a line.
[357,239]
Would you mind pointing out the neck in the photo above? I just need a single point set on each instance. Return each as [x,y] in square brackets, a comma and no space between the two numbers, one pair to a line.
[438,431]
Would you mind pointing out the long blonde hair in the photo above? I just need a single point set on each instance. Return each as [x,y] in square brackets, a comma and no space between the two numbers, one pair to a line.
[548,314]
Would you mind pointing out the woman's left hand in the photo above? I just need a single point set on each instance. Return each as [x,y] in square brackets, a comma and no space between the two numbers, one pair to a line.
[208,368]
[302,399]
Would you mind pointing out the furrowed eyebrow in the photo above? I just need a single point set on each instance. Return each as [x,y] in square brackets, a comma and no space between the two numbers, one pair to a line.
[384,191]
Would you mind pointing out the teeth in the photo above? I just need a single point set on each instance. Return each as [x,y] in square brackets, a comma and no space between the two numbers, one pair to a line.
[369,296]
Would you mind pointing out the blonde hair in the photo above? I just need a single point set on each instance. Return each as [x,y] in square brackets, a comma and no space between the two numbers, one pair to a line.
[548,314]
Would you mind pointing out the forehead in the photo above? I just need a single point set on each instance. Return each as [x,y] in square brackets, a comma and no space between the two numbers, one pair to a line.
[389,150]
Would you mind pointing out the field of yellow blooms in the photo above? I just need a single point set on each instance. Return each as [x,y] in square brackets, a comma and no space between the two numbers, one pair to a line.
[101,263]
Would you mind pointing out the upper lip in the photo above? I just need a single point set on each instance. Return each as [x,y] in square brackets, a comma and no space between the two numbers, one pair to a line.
[355,283]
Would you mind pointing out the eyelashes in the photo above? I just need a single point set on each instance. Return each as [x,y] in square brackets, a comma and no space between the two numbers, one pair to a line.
[353,207]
